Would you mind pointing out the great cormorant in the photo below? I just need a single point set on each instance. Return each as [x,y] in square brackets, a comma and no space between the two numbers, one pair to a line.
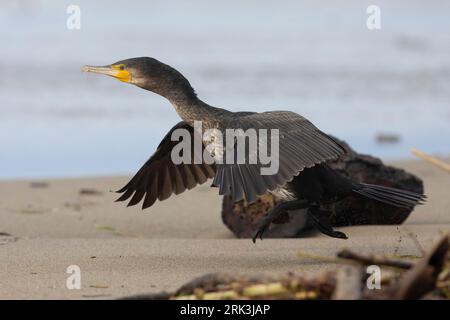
[303,180]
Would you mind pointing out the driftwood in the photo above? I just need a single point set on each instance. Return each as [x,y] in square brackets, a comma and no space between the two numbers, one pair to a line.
[369,260]
[220,286]
[422,278]
[428,278]
[348,284]
[419,279]
[243,219]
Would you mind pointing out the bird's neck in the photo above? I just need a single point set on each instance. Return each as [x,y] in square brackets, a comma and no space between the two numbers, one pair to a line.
[192,109]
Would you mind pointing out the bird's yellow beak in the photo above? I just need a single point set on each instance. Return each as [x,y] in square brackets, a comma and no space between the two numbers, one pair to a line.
[116,71]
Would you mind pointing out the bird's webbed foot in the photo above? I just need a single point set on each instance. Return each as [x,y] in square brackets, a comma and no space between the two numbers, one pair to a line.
[321,220]
[275,212]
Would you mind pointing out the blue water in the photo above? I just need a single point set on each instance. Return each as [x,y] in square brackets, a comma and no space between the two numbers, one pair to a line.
[317,59]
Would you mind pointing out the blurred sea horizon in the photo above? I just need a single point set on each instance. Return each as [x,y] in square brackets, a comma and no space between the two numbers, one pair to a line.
[316,59]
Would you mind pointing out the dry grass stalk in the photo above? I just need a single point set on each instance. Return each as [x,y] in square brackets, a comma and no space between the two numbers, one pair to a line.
[433,160]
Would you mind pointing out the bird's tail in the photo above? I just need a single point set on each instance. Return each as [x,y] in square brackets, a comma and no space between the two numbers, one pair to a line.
[391,196]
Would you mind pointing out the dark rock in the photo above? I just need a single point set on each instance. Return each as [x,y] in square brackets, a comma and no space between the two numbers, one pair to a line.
[243,219]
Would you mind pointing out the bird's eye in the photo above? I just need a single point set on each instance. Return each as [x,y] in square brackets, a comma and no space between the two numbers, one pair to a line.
[122,67]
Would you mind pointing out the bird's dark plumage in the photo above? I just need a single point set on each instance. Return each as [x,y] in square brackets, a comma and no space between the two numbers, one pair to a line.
[303,180]
[159,177]
[301,145]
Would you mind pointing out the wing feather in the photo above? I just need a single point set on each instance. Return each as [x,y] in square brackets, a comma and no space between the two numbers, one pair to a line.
[159,177]
[301,145]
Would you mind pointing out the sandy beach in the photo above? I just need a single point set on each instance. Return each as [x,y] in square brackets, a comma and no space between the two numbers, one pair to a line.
[382,88]
[48,225]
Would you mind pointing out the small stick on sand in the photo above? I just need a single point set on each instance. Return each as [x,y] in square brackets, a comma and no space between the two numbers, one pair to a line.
[429,158]
[370,259]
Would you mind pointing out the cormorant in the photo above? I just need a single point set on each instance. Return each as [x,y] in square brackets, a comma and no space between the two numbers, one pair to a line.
[303,180]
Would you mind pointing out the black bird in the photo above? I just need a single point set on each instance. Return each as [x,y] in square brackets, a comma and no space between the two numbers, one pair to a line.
[303,180]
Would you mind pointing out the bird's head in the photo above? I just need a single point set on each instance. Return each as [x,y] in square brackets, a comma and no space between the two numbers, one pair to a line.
[147,73]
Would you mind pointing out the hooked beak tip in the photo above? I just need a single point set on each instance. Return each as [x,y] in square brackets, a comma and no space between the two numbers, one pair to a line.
[101,70]
[112,71]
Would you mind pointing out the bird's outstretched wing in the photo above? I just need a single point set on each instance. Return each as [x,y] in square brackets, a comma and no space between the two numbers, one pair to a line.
[301,145]
[159,177]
